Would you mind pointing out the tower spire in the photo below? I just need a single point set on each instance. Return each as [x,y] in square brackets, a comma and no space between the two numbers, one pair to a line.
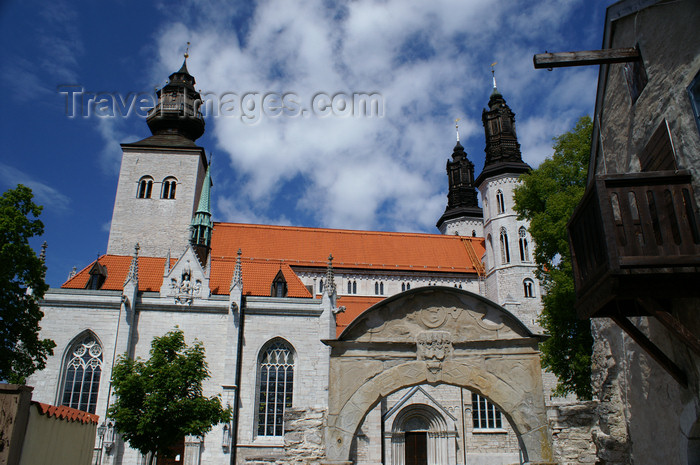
[493,75]
[177,110]
[457,128]
[502,147]
[201,223]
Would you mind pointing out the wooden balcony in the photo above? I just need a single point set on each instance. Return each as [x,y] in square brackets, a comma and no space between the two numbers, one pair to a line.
[634,237]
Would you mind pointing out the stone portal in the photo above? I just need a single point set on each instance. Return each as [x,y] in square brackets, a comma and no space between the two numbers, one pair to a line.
[437,335]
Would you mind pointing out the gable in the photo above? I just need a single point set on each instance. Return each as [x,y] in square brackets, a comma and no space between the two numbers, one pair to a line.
[405,317]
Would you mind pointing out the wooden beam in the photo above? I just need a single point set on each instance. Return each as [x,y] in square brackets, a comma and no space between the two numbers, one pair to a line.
[651,349]
[673,325]
[584,58]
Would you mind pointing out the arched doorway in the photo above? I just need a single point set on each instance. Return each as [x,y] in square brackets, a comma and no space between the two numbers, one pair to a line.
[419,436]
[437,335]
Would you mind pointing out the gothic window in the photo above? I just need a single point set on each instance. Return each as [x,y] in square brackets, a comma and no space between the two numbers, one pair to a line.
[168,189]
[354,287]
[320,286]
[403,287]
[275,387]
[349,287]
[145,187]
[81,373]
[528,286]
[500,204]
[505,251]
[485,415]
[379,288]
[473,232]
[524,246]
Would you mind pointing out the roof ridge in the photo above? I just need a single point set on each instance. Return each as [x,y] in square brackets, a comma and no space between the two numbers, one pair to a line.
[339,230]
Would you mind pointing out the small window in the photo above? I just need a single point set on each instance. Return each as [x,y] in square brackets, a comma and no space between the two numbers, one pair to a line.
[500,203]
[528,286]
[320,286]
[694,94]
[279,286]
[98,275]
[352,287]
[379,288]
[636,77]
[524,246]
[145,187]
[485,415]
[168,189]
[505,250]
[473,232]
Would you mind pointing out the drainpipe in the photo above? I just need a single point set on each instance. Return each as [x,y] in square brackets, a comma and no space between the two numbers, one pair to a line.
[237,394]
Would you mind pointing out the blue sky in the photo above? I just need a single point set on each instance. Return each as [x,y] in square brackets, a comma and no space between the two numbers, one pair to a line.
[429,61]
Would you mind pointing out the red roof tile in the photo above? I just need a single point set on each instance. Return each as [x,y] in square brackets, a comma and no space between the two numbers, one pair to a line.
[354,306]
[257,277]
[350,249]
[66,413]
[150,273]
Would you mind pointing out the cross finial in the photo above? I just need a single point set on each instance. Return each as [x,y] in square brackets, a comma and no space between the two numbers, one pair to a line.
[493,73]
[457,128]
[187,51]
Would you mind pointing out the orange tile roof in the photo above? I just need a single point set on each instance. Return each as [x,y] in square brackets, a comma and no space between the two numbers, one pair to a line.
[66,413]
[257,277]
[350,249]
[150,273]
[354,306]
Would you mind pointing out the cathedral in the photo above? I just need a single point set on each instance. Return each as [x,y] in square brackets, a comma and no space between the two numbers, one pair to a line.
[278,308]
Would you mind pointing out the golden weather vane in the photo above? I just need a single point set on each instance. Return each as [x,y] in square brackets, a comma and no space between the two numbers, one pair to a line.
[493,73]
[457,128]
[187,51]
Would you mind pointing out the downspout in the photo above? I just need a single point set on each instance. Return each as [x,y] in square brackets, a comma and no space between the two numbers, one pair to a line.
[237,382]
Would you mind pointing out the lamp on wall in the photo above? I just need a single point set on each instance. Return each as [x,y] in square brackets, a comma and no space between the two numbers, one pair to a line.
[226,438]
[109,436]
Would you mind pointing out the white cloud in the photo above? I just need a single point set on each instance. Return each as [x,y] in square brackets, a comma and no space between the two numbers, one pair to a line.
[429,60]
[43,193]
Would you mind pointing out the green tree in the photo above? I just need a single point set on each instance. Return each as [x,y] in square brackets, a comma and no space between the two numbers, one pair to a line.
[160,400]
[22,285]
[547,197]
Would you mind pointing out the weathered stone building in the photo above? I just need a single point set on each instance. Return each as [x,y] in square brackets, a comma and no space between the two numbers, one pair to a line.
[635,236]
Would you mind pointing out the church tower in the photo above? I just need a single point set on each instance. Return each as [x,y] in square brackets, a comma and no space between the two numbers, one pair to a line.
[161,176]
[509,261]
[463,216]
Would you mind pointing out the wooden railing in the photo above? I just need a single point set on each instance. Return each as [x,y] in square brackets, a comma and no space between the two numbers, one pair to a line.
[630,231]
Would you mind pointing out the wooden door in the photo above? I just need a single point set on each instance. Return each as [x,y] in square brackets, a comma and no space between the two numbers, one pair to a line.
[177,455]
[416,448]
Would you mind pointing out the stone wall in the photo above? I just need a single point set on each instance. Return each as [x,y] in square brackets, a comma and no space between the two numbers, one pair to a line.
[572,426]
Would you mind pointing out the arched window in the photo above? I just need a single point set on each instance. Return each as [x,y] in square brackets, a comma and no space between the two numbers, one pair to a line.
[381,288]
[349,287]
[275,386]
[145,187]
[81,373]
[354,287]
[499,201]
[473,232]
[403,287]
[505,251]
[376,288]
[524,247]
[528,288]
[320,286]
[168,189]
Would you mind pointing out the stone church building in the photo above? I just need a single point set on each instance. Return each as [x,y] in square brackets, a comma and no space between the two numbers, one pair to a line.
[333,346]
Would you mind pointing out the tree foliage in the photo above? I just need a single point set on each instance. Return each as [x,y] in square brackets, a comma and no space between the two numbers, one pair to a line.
[547,198]
[160,400]
[22,352]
